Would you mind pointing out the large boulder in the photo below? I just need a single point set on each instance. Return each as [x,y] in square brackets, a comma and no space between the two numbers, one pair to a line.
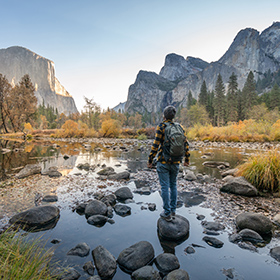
[146,273]
[177,229]
[36,217]
[96,207]
[240,186]
[29,169]
[105,262]
[178,274]
[136,256]
[254,221]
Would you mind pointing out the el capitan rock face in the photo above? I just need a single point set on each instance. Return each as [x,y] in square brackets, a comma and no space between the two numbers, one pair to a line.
[249,51]
[16,61]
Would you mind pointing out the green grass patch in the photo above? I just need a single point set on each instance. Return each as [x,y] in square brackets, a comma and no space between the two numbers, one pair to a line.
[262,170]
[23,260]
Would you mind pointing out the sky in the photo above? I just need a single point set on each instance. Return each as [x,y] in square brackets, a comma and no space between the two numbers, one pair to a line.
[99,46]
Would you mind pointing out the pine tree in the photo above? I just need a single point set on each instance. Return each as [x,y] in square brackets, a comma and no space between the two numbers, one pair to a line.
[5,89]
[249,95]
[190,101]
[232,99]
[274,97]
[219,101]
[203,95]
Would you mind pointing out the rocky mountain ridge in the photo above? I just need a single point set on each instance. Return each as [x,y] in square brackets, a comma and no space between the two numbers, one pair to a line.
[17,61]
[249,51]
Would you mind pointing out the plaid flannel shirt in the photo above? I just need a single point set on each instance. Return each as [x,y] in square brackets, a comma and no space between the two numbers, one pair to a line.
[158,143]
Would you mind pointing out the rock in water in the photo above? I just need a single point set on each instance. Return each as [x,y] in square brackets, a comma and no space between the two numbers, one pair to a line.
[105,262]
[254,221]
[167,262]
[37,216]
[96,207]
[275,253]
[123,193]
[81,250]
[146,273]
[177,229]
[178,274]
[212,241]
[136,256]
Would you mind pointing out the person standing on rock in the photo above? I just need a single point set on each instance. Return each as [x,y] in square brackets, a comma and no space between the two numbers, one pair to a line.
[171,146]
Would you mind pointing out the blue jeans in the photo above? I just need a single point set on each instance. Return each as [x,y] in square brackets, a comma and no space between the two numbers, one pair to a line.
[167,174]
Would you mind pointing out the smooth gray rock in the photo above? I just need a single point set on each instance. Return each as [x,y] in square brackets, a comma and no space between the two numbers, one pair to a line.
[190,250]
[167,262]
[247,246]
[68,273]
[106,171]
[50,198]
[212,226]
[189,175]
[81,250]
[28,170]
[89,268]
[250,235]
[36,216]
[146,273]
[254,221]
[95,277]
[120,176]
[178,274]
[275,253]
[96,207]
[80,209]
[123,193]
[84,166]
[109,200]
[212,241]
[141,183]
[152,206]
[216,164]
[239,186]
[235,237]
[192,198]
[97,220]
[136,256]
[122,210]
[105,262]
[229,172]
[276,219]
[177,229]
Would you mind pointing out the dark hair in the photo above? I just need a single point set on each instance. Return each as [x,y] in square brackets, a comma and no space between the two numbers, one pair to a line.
[169,112]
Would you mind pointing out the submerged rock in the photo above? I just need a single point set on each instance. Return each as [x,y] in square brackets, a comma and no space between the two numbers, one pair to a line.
[89,268]
[122,210]
[68,273]
[97,220]
[212,226]
[136,256]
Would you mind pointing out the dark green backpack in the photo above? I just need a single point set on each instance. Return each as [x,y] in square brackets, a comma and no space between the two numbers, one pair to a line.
[174,142]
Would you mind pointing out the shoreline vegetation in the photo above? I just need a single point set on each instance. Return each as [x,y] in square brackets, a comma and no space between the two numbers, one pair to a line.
[242,131]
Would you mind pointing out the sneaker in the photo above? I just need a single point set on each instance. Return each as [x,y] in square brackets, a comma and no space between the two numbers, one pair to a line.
[167,218]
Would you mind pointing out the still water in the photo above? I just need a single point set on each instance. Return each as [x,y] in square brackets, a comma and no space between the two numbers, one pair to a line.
[206,263]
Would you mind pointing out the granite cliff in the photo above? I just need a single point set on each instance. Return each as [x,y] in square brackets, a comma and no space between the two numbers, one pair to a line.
[15,62]
[250,51]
